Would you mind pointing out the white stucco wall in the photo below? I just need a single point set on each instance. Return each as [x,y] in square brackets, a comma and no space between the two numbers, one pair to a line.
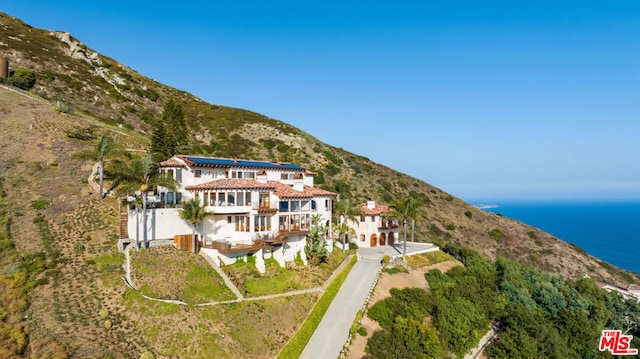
[161,224]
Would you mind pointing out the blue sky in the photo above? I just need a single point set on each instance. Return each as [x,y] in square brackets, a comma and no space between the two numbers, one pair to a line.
[487,100]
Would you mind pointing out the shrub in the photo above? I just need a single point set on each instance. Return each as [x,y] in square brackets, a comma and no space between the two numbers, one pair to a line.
[408,338]
[468,214]
[40,204]
[353,246]
[298,259]
[412,303]
[82,133]
[362,331]
[496,233]
[22,78]
[393,270]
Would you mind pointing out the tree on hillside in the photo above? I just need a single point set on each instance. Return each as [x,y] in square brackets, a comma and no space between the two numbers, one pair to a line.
[159,145]
[170,134]
[22,78]
[102,148]
[176,127]
[345,211]
[193,212]
[404,209]
[140,175]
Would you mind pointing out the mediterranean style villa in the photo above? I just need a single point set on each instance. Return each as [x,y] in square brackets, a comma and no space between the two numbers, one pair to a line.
[257,208]
[372,228]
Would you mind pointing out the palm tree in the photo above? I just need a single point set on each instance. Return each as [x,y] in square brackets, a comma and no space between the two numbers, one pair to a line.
[101,150]
[404,209]
[345,211]
[193,212]
[344,229]
[315,249]
[140,175]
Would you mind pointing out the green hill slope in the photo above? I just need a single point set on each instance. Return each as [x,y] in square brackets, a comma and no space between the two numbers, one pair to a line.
[83,82]
[78,90]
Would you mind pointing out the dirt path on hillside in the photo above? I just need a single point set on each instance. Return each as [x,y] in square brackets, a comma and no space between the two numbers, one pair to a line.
[413,279]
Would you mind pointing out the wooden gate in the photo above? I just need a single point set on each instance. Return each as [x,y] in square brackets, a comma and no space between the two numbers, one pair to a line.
[183,241]
[373,241]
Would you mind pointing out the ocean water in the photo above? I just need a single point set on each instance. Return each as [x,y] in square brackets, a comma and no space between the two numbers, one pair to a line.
[607,230]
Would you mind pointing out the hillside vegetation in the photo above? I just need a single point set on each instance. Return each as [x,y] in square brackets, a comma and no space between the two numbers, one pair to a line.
[74,284]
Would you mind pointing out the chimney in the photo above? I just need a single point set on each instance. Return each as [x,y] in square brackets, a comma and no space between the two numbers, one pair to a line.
[298,186]
[4,68]
[371,204]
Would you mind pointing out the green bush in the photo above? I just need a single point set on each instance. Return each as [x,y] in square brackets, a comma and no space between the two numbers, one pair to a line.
[22,78]
[468,214]
[40,204]
[298,259]
[408,338]
[362,331]
[412,303]
[496,233]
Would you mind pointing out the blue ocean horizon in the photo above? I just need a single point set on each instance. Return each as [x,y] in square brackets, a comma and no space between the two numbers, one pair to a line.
[607,230]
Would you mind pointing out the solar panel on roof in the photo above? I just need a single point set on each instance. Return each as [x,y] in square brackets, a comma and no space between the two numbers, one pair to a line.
[241,163]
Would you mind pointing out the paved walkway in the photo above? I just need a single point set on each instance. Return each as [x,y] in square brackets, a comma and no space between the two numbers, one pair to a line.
[332,332]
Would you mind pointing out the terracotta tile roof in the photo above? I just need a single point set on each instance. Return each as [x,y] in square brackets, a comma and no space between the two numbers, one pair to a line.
[319,191]
[172,162]
[231,183]
[376,210]
[286,191]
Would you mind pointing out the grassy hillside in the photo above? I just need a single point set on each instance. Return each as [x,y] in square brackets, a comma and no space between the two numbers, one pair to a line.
[51,208]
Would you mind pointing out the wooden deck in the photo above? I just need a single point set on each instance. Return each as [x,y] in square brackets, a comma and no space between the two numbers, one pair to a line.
[265,243]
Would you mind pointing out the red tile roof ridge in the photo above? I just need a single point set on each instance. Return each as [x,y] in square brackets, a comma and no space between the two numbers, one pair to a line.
[287,191]
[376,210]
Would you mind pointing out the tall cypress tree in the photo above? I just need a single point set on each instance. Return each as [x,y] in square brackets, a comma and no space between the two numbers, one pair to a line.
[159,142]
[175,127]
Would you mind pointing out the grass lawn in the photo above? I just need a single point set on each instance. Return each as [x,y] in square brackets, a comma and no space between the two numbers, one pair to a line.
[427,259]
[277,279]
[168,273]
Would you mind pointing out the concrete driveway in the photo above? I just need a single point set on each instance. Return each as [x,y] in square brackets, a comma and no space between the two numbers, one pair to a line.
[396,249]
[333,331]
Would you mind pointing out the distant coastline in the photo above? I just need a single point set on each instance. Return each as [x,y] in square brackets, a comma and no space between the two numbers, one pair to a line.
[605,229]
